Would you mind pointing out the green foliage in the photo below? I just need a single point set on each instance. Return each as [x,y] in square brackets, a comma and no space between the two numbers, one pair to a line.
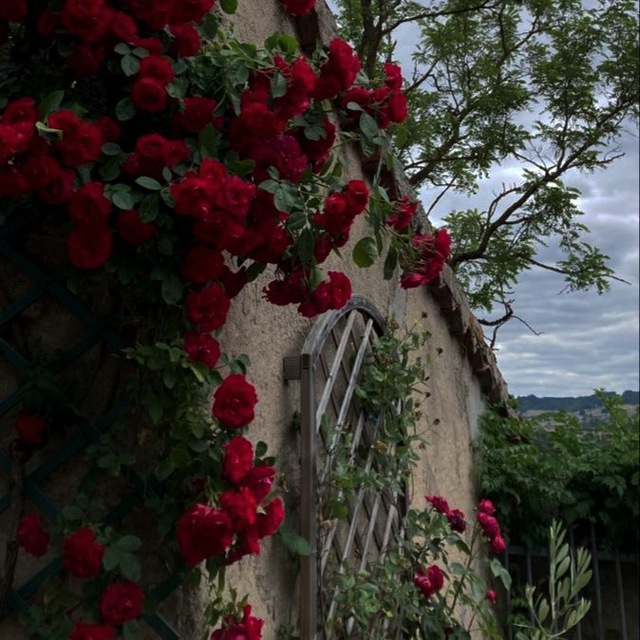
[534,473]
[559,611]
[571,66]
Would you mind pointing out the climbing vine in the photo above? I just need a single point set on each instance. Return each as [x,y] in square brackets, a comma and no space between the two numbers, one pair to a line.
[177,164]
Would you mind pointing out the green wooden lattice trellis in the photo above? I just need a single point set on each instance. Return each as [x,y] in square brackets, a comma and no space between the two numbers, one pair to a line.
[44,285]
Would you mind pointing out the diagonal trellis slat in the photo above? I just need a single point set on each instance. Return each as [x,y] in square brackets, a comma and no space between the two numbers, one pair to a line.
[43,288]
[335,425]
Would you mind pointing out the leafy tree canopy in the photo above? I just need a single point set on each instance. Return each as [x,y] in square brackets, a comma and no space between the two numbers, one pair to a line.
[548,85]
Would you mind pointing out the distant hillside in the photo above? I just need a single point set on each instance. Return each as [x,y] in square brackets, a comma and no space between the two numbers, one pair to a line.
[581,403]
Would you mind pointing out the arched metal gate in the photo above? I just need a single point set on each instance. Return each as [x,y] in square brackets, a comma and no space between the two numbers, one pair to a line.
[346,530]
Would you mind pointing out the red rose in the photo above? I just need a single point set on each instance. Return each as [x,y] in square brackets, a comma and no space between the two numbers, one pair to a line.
[123,27]
[498,545]
[89,245]
[59,189]
[249,628]
[149,95]
[21,112]
[259,481]
[240,506]
[298,7]
[197,115]
[396,109]
[191,10]
[404,212]
[157,67]
[186,40]
[429,582]
[31,535]
[489,525]
[491,596]
[203,532]
[338,72]
[439,503]
[85,631]
[457,520]
[269,521]
[393,74]
[234,402]
[203,264]
[207,308]
[238,458]
[29,428]
[81,141]
[202,348]
[47,23]
[84,19]
[132,230]
[89,204]
[154,13]
[121,602]
[486,506]
[83,554]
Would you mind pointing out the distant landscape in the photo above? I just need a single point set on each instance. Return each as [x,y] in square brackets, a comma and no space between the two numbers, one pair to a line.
[588,408]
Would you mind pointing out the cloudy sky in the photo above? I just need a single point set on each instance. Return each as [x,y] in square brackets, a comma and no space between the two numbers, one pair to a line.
[585,341]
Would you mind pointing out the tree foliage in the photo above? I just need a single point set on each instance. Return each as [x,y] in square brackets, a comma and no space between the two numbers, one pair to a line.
[535,472]
[545,85]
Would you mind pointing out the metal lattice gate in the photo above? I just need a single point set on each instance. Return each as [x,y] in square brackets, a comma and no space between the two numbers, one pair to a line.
[347,530]
[34,293]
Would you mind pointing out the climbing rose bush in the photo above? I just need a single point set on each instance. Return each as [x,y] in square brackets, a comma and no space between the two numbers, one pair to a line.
[175,191]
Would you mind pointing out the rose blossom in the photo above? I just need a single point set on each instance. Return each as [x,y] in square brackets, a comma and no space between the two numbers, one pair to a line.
[249,628]
[31,535]
[457,520]
[202,348]
[298,7]
[491,596]
[429,582]
[238,458]
[83,554]
[439,503]
[203,532]
[486,506]
[121,602]
[84,631]
[207,308]
[234,402]
[269,521]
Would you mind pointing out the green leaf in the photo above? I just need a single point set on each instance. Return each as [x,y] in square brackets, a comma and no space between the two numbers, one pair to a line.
[125,110]
[368,126]
[123,200]
[129,543]
[73,512]
[130,65]
[122,48]
[164,470]
[149,207]
[390,263]
[278,85]
[149,183]
[111,558]
[365,252]
[306,246]
[111,149]
[295,543]
[172,290]
[50,103]
[209,26]
[229,6]
[208,142]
